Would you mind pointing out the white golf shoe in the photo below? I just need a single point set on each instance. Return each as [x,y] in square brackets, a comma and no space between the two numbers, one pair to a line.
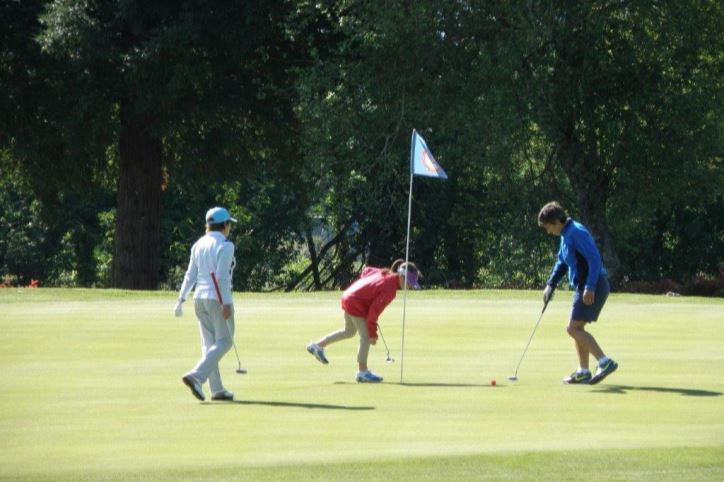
[223,396]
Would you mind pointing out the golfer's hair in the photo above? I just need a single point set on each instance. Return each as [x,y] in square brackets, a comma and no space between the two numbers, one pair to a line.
[216,226]
[550,212]
[398,263]
[395,266]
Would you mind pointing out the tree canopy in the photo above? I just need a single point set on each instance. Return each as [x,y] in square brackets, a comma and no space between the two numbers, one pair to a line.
[122,123]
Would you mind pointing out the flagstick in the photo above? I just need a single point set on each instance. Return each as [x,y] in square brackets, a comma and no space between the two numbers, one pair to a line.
[404,290]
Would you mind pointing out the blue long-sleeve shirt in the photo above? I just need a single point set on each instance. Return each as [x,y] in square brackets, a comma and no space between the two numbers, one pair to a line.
[579,256]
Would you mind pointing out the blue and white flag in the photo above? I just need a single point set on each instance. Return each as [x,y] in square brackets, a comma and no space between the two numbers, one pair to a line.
[422,162]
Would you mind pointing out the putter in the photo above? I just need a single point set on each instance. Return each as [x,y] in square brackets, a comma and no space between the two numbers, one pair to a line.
[389,359]
[514,377]
[239,370]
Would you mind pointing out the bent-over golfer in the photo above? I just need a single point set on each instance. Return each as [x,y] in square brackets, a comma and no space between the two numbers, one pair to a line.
[211,269]
[362,303]
[580,258]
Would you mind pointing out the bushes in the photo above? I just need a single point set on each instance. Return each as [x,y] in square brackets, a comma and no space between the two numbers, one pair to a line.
[702,284]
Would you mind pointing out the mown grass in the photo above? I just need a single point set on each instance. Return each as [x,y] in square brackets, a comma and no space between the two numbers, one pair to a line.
[92,391]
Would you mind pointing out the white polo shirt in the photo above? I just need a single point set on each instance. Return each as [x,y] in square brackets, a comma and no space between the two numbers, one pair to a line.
[212,253]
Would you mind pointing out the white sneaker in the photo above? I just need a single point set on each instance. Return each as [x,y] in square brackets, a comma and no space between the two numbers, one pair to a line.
[368,377]
[194,385]
[223,396]
[318,352]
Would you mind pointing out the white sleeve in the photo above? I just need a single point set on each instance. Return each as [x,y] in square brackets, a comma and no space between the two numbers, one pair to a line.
[189,278]
[224,270]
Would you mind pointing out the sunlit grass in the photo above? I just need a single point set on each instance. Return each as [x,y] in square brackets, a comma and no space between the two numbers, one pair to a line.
[91,391]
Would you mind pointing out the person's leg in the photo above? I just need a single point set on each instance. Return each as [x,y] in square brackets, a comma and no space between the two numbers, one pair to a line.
[585,343]
[348,331]
[215,383]
[582,314]
[363,349]
[217,339]
[364,375]
[606,365]
[192,379]
[205,330]
[317,349]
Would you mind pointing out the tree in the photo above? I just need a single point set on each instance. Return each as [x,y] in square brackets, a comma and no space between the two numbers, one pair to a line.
[297,115]
[621,92]
[175,83]
[428,66]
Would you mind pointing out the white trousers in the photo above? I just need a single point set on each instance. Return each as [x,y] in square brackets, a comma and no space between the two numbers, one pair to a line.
[217,335]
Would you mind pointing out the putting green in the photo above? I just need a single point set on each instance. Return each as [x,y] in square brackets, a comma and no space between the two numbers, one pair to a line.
[91,390]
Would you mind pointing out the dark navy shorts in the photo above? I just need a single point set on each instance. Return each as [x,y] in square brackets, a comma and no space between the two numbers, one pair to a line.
[590,313]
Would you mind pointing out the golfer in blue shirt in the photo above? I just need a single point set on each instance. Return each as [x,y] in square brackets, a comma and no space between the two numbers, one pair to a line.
[579,257]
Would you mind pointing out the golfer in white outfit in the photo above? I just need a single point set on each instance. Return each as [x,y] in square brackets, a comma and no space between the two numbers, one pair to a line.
[211,269]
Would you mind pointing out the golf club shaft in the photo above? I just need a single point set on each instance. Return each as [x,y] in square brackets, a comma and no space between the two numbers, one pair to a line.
[238,361]
[233,343]
[379,328]
[530,339]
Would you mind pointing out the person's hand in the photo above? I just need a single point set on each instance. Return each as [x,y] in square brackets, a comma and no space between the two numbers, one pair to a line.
[225,311]
[178,308]
[548,294]
[373,341]
[588,297]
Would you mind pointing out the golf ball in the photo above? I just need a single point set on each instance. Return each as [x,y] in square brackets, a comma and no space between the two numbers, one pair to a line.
[492,382]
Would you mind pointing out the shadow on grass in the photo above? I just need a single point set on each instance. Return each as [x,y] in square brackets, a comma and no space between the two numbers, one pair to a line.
[427,384]
[432,384]
[687,392]
[269,403]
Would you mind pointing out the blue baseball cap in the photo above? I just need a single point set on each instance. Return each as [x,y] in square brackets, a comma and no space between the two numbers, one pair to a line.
[218,216]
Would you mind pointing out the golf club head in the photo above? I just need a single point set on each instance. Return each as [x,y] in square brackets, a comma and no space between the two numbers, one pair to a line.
[389,359]
[513,378]
[241,371]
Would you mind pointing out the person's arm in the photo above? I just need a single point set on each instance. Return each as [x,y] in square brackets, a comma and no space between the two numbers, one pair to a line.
[189,281]
[376,308]
[559,270]
[587,247]
[223,272]
[221,278]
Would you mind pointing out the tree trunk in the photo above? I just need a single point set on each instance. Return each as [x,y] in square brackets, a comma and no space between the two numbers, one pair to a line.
[338,238]
[591,185]
[314,261]
[138,218]
[575,134]
[593,214]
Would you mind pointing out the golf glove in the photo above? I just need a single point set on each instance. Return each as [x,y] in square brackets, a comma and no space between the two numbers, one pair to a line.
[178,309]
[548,294]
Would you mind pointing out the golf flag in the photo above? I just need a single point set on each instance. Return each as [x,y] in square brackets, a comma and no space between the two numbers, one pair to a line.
[422,162]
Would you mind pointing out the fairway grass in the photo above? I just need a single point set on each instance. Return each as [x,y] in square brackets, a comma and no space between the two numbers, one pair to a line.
[91,391]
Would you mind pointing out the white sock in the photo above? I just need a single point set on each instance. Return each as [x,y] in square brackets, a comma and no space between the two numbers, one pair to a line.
[603,361]
[583,370]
